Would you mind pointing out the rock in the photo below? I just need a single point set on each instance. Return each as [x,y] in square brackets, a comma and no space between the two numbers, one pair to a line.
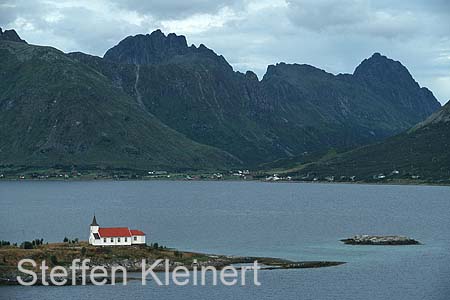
[379,240]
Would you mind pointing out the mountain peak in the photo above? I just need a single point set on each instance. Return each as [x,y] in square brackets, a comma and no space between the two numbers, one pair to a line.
[158,32]
[148,49]
[391,80]
[377,55]
[381,69]
[379,65]
[157,48]
[10,35]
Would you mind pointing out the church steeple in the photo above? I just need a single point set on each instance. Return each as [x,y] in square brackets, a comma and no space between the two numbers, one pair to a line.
[94,222]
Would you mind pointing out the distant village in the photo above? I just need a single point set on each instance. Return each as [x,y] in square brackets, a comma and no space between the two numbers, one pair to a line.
[243,174]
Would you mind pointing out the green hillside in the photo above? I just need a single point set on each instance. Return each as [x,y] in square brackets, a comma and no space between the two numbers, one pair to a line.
[55,111]
[421,153]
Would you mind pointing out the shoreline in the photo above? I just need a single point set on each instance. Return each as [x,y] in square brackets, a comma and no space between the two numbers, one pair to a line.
[87,179]
[131,258]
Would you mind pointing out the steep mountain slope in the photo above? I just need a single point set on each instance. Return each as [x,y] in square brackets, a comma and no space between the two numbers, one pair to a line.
[338,112]
[385,101]
[420,152]
[155,102]
[295,108]
[196,93]
[57,111]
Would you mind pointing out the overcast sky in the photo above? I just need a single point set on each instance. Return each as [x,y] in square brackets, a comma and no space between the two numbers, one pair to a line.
[251,34]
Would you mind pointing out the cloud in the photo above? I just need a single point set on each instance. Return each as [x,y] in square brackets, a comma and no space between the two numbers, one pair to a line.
[198,23]
[355,16]
[321,15]
[175,9]
[251,34]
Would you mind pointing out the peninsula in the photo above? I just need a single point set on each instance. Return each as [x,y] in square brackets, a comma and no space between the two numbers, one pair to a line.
[130,257]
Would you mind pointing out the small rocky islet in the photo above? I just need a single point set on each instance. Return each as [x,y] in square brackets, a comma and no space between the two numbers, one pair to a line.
[380,240]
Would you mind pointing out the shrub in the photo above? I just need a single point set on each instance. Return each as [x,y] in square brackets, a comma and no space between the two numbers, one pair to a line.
[27,245]
[53,260]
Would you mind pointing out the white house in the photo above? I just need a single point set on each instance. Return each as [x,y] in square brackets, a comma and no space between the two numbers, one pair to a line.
[114,236]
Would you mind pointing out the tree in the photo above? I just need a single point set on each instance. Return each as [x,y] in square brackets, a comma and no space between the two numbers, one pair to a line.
[4,243]
[37,242]
[66,240]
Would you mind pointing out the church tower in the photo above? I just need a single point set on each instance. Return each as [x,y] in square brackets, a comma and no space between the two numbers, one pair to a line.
[94,226]
[93,230]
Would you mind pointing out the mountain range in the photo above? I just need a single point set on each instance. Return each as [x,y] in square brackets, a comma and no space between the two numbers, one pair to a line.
[152,101]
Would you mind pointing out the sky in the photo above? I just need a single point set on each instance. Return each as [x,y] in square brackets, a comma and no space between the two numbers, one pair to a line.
[334,35]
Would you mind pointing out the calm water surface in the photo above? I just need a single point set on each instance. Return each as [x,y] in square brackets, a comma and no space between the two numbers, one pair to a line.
[294,221]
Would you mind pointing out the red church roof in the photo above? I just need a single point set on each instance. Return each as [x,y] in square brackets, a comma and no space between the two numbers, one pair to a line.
[136,232]
[114,232]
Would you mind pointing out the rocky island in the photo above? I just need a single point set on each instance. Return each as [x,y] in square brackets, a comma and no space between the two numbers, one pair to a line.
[379,240]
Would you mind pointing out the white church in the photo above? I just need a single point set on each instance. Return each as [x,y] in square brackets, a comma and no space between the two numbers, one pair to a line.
[114,236]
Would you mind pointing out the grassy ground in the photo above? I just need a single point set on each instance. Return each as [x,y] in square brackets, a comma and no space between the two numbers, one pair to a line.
[63,254]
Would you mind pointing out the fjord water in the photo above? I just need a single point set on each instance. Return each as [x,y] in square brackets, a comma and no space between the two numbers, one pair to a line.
[293,220]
